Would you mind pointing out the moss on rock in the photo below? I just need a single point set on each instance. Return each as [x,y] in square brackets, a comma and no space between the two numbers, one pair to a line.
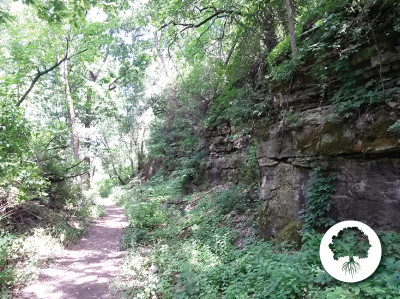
[290,233]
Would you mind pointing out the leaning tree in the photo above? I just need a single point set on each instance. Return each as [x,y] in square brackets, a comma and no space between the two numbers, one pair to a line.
[351,242]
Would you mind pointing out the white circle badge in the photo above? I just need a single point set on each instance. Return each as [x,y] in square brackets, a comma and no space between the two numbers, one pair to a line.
[350,251]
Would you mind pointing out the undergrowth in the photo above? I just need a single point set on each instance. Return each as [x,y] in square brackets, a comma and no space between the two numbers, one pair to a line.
[26,247]
[186,246]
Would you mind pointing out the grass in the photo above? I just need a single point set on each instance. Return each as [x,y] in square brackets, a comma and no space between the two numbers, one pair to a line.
[203,245]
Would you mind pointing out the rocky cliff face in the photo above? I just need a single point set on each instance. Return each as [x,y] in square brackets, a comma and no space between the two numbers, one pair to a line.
[362,155]
[227,150]
[358,150]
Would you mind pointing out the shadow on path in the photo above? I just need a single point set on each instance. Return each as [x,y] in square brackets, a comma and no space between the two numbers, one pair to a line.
[85,269]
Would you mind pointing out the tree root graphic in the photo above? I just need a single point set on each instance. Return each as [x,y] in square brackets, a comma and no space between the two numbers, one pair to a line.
[351,267]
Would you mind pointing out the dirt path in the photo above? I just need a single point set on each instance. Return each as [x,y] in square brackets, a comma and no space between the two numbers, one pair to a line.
[85,269]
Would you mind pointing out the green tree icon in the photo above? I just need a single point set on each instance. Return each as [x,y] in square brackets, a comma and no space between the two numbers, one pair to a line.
[351,242]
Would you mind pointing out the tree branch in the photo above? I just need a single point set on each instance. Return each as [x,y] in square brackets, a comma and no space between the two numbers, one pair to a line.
[111,87]
[159,53]
[231,50]
[41,73]
[204,32]
[75,165]
[105,142]
[63,178]
[217,13]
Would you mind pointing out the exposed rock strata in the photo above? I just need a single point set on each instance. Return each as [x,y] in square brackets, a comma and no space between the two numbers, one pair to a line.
[358,150]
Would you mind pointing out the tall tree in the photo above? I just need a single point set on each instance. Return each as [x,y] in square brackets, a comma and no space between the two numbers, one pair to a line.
[70,109]
[159,53]
[292,27]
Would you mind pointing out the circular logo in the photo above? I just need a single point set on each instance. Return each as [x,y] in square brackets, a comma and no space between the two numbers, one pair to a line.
[350,251]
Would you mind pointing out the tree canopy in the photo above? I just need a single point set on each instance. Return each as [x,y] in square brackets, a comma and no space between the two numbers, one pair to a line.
[115,93]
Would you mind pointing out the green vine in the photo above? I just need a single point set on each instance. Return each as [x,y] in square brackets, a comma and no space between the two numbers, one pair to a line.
[318,202]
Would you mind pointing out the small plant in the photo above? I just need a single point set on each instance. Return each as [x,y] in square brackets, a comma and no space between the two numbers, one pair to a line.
[283,72]
[148,214]
[232,199]
[184,178]
[350,242]
[318,195]
[221,108]
[237,107]
[249,173]
[6,274]
[293,119]
[394,129]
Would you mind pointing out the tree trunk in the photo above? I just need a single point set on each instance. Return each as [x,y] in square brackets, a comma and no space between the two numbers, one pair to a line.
[231,50]
[292,32]
[105,142]
[88,122]
[117,175]
[159,53]
[93,76]
[141,154]
[132,166]
[70,110]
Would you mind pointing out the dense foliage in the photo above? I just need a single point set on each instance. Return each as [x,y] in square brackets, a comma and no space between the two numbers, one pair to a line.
[191,247]
[17,173]
[111,93]
[52,95]
[318,202]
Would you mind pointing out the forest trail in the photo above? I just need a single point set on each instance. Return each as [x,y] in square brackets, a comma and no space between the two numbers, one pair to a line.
[85,269]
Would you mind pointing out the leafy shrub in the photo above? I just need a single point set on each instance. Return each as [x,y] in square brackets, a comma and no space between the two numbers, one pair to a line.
[236,106]
[105,187]
[318,203]
[283,72]
[133,236]
[394,129]
[390,244]
[231,199]
[281,65]
[149,214]
[222,103]
[168,135]
[65,192]
[184,177]
[279,52]
[16,169]
[6,273]
[353,95]
[195,257]
[90,210]
[315,10]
